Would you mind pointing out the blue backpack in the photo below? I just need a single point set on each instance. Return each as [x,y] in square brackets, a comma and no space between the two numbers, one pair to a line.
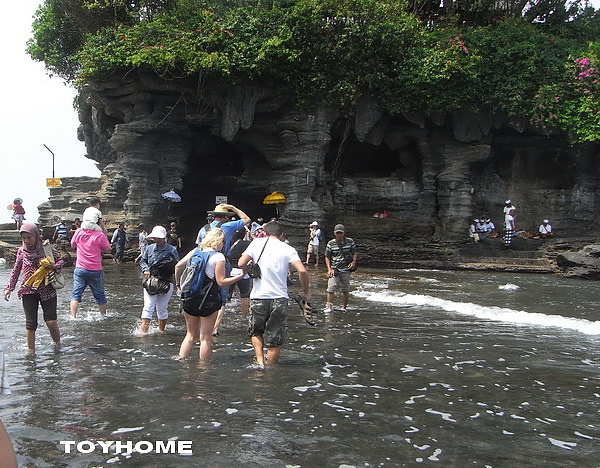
[192,278]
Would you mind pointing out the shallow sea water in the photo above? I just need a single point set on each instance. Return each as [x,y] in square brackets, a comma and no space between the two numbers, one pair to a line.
[426,368]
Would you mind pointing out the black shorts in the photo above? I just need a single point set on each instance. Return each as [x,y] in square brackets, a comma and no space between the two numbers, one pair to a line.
[208,308]
[30,306]
[244,286]
[212,303]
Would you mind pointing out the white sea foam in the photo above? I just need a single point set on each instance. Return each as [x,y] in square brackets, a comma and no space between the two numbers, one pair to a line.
[123,430]
[509,287]
[500,314]
[562,443]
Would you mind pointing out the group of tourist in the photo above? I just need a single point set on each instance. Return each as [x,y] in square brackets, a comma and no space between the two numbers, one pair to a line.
[230,253]
[484,227]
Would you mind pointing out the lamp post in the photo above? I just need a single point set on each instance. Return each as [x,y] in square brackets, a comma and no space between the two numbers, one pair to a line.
[51,152]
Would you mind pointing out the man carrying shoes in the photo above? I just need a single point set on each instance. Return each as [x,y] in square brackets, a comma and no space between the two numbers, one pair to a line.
[340,259]
[269,295]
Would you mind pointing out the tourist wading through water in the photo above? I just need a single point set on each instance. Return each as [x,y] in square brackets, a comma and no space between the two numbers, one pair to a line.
[340,258]
[157,265]
[32,261]
[269,295]
[200,316]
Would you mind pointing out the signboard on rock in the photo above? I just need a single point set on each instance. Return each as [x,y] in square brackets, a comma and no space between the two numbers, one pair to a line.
[52,182]
[220,199]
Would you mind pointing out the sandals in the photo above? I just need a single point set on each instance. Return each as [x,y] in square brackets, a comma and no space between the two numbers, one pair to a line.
[306,310]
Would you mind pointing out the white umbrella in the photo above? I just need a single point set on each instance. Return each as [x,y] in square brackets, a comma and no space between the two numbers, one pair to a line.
[171,196]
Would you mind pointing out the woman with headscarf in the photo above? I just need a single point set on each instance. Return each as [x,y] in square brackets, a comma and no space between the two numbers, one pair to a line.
[158,265]
[27,261]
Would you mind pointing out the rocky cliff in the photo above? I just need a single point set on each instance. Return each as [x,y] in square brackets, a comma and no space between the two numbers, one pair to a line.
[431,173]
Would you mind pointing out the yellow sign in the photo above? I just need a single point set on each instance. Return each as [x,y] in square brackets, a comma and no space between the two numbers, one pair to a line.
[53,182]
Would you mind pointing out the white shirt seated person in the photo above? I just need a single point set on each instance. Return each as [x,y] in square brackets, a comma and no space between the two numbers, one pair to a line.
[545,229]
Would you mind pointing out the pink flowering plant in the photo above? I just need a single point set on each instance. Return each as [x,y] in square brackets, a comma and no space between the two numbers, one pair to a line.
[573,105]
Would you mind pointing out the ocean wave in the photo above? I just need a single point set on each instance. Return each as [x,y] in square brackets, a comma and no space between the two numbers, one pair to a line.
[498,314]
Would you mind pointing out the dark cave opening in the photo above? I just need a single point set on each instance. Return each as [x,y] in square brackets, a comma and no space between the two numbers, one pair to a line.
[217,168]
[363,160]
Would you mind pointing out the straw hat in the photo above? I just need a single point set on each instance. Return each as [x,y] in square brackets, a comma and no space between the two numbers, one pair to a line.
[220,210]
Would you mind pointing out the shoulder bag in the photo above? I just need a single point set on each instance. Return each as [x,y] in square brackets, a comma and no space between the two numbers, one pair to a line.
[56,278]
[253,268]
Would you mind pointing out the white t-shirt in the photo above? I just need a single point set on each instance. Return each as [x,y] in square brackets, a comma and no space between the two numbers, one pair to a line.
[509,221]
[488,227]
[314,240]
[547,229]
[274,266]
[212,262]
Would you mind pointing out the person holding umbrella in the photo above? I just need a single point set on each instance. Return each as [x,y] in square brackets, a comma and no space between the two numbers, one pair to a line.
[18,212]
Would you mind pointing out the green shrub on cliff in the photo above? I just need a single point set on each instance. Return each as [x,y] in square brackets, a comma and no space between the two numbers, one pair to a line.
[323,51]
[573,104]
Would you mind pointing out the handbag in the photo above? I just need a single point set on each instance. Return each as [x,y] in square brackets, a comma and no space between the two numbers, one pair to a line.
[155,285]
[56,278]
[253,268]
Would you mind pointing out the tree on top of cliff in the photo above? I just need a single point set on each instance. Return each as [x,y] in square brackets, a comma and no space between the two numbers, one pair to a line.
[412,55]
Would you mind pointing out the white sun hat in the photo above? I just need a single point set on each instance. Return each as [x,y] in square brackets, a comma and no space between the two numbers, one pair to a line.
[158,232]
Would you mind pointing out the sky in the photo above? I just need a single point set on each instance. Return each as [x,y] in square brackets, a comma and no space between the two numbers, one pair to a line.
[36,110]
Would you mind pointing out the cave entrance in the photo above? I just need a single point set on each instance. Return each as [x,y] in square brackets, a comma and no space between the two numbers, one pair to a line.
[364,159]
[218,168]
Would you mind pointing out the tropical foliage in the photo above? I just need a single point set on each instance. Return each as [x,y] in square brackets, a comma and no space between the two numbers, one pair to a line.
[518,58]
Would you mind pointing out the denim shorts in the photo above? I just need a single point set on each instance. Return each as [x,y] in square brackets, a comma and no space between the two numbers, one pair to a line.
[268,318]
[92,278]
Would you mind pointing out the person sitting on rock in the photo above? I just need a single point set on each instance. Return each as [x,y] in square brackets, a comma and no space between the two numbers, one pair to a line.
[480,228]
[545,230]
[473,234]
[489,228]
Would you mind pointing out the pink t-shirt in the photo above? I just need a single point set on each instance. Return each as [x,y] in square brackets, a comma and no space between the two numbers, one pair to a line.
[89,245]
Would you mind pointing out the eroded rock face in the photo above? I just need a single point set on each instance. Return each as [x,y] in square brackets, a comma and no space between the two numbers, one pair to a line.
[584,263]
[431,173]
